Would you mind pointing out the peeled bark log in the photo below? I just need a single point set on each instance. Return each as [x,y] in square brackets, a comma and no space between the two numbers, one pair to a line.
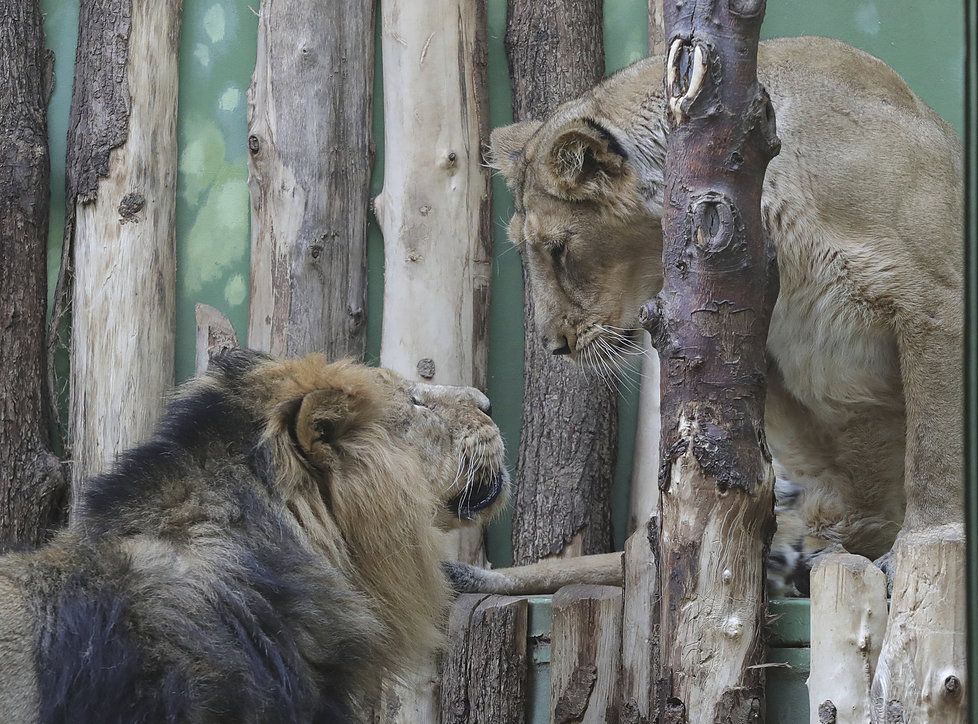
[569,438]
[309,142]
[848,620]
[434,210]
[547,576]
[585,662]
[214,335]
[657,29]
[119,256]
[485,669]
[920,675]
[710,324]
[640,627]
[32,486]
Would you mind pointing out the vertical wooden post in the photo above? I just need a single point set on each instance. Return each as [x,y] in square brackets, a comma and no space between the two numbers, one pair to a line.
[569,438]
[119,251]
[434,212]
[710,325]
[32,487]
[214,335]
[585,664]
[920,674]
[848,613]
[640,626]
[485,667]
[309,174]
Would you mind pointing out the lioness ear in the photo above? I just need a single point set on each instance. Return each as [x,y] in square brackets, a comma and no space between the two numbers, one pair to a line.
[506,145]
[585,160]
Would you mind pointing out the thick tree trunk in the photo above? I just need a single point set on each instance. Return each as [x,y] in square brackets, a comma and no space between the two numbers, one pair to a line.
[710,325]
[569,438]
[848,620]
[309,144]
[119,253]
[32,487]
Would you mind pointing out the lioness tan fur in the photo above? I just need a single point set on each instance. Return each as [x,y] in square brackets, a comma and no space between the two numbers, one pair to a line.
[270,554]
[864,205]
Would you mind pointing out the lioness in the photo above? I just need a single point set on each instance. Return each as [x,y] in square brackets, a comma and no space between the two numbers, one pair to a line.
[864,205]
[267,556]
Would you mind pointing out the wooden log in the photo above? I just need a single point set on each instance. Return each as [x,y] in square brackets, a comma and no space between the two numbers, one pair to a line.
[848,613]
[215,334]
[710,325]
[485,666]
[920,675]
[569,438]
[640,627]
[32,486]
[657,28]
[119,258]
[585,662]
[309,121]
[434,209]
[644,490]
[546,576]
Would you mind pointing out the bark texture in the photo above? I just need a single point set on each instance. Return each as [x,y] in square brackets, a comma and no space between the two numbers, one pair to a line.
[569,437]
[309,150]
[640,626]
[848,620]
[585,662]
[119,262]
[657,30]
[32,486]
[710,324]
[485,667]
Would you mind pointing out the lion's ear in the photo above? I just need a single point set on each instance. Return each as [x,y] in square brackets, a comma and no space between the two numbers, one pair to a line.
[506,145]
[585,160]
[321,421]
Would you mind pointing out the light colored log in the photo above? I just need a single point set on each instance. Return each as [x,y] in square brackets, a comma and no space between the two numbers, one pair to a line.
[920,675]
[848,613]
[657,29]
[585,660]
[434,207]
[644,491]
[485,670]
[122,186]
[640,626]
[309,121]
[543,577]
[215,334]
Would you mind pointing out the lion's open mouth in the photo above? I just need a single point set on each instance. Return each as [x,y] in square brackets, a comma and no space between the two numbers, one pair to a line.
[479,496]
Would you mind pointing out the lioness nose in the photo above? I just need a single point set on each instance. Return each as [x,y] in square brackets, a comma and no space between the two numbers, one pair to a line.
[556,345]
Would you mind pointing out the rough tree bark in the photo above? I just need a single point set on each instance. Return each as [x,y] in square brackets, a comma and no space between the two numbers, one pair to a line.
[32,486]
[848,620]
[118,264]
[710,325]
[569,437]
[310,176]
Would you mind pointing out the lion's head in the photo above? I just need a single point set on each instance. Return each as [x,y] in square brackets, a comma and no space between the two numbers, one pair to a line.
[587,197]
[374,468]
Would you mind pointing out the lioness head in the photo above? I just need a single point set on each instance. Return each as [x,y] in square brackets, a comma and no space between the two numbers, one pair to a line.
[587,222]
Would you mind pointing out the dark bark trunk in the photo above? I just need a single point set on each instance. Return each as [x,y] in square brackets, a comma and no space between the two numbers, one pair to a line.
[569,438]
[710,326]
[32,486]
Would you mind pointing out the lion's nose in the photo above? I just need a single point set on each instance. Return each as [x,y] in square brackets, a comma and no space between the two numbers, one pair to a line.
[556,345]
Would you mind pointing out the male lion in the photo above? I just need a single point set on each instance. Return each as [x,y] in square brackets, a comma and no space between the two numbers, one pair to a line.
[864,205]
[267,556]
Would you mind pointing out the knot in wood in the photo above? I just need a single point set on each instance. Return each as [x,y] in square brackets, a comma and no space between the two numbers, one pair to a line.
[713,220]
[746,8]
[253,144]
[426,368]
[685,75]
[952,685]
[131,204]
[827,712]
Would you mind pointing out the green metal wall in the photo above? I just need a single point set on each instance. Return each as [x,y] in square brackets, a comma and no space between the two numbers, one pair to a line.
[923,41]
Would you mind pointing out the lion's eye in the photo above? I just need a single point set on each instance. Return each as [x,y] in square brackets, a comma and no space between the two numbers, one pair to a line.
[418,402]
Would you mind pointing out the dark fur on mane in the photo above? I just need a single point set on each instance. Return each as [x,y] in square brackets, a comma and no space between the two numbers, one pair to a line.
[181,593]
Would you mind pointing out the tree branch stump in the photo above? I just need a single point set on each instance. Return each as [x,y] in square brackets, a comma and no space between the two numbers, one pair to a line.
[214,335]
[710,324]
